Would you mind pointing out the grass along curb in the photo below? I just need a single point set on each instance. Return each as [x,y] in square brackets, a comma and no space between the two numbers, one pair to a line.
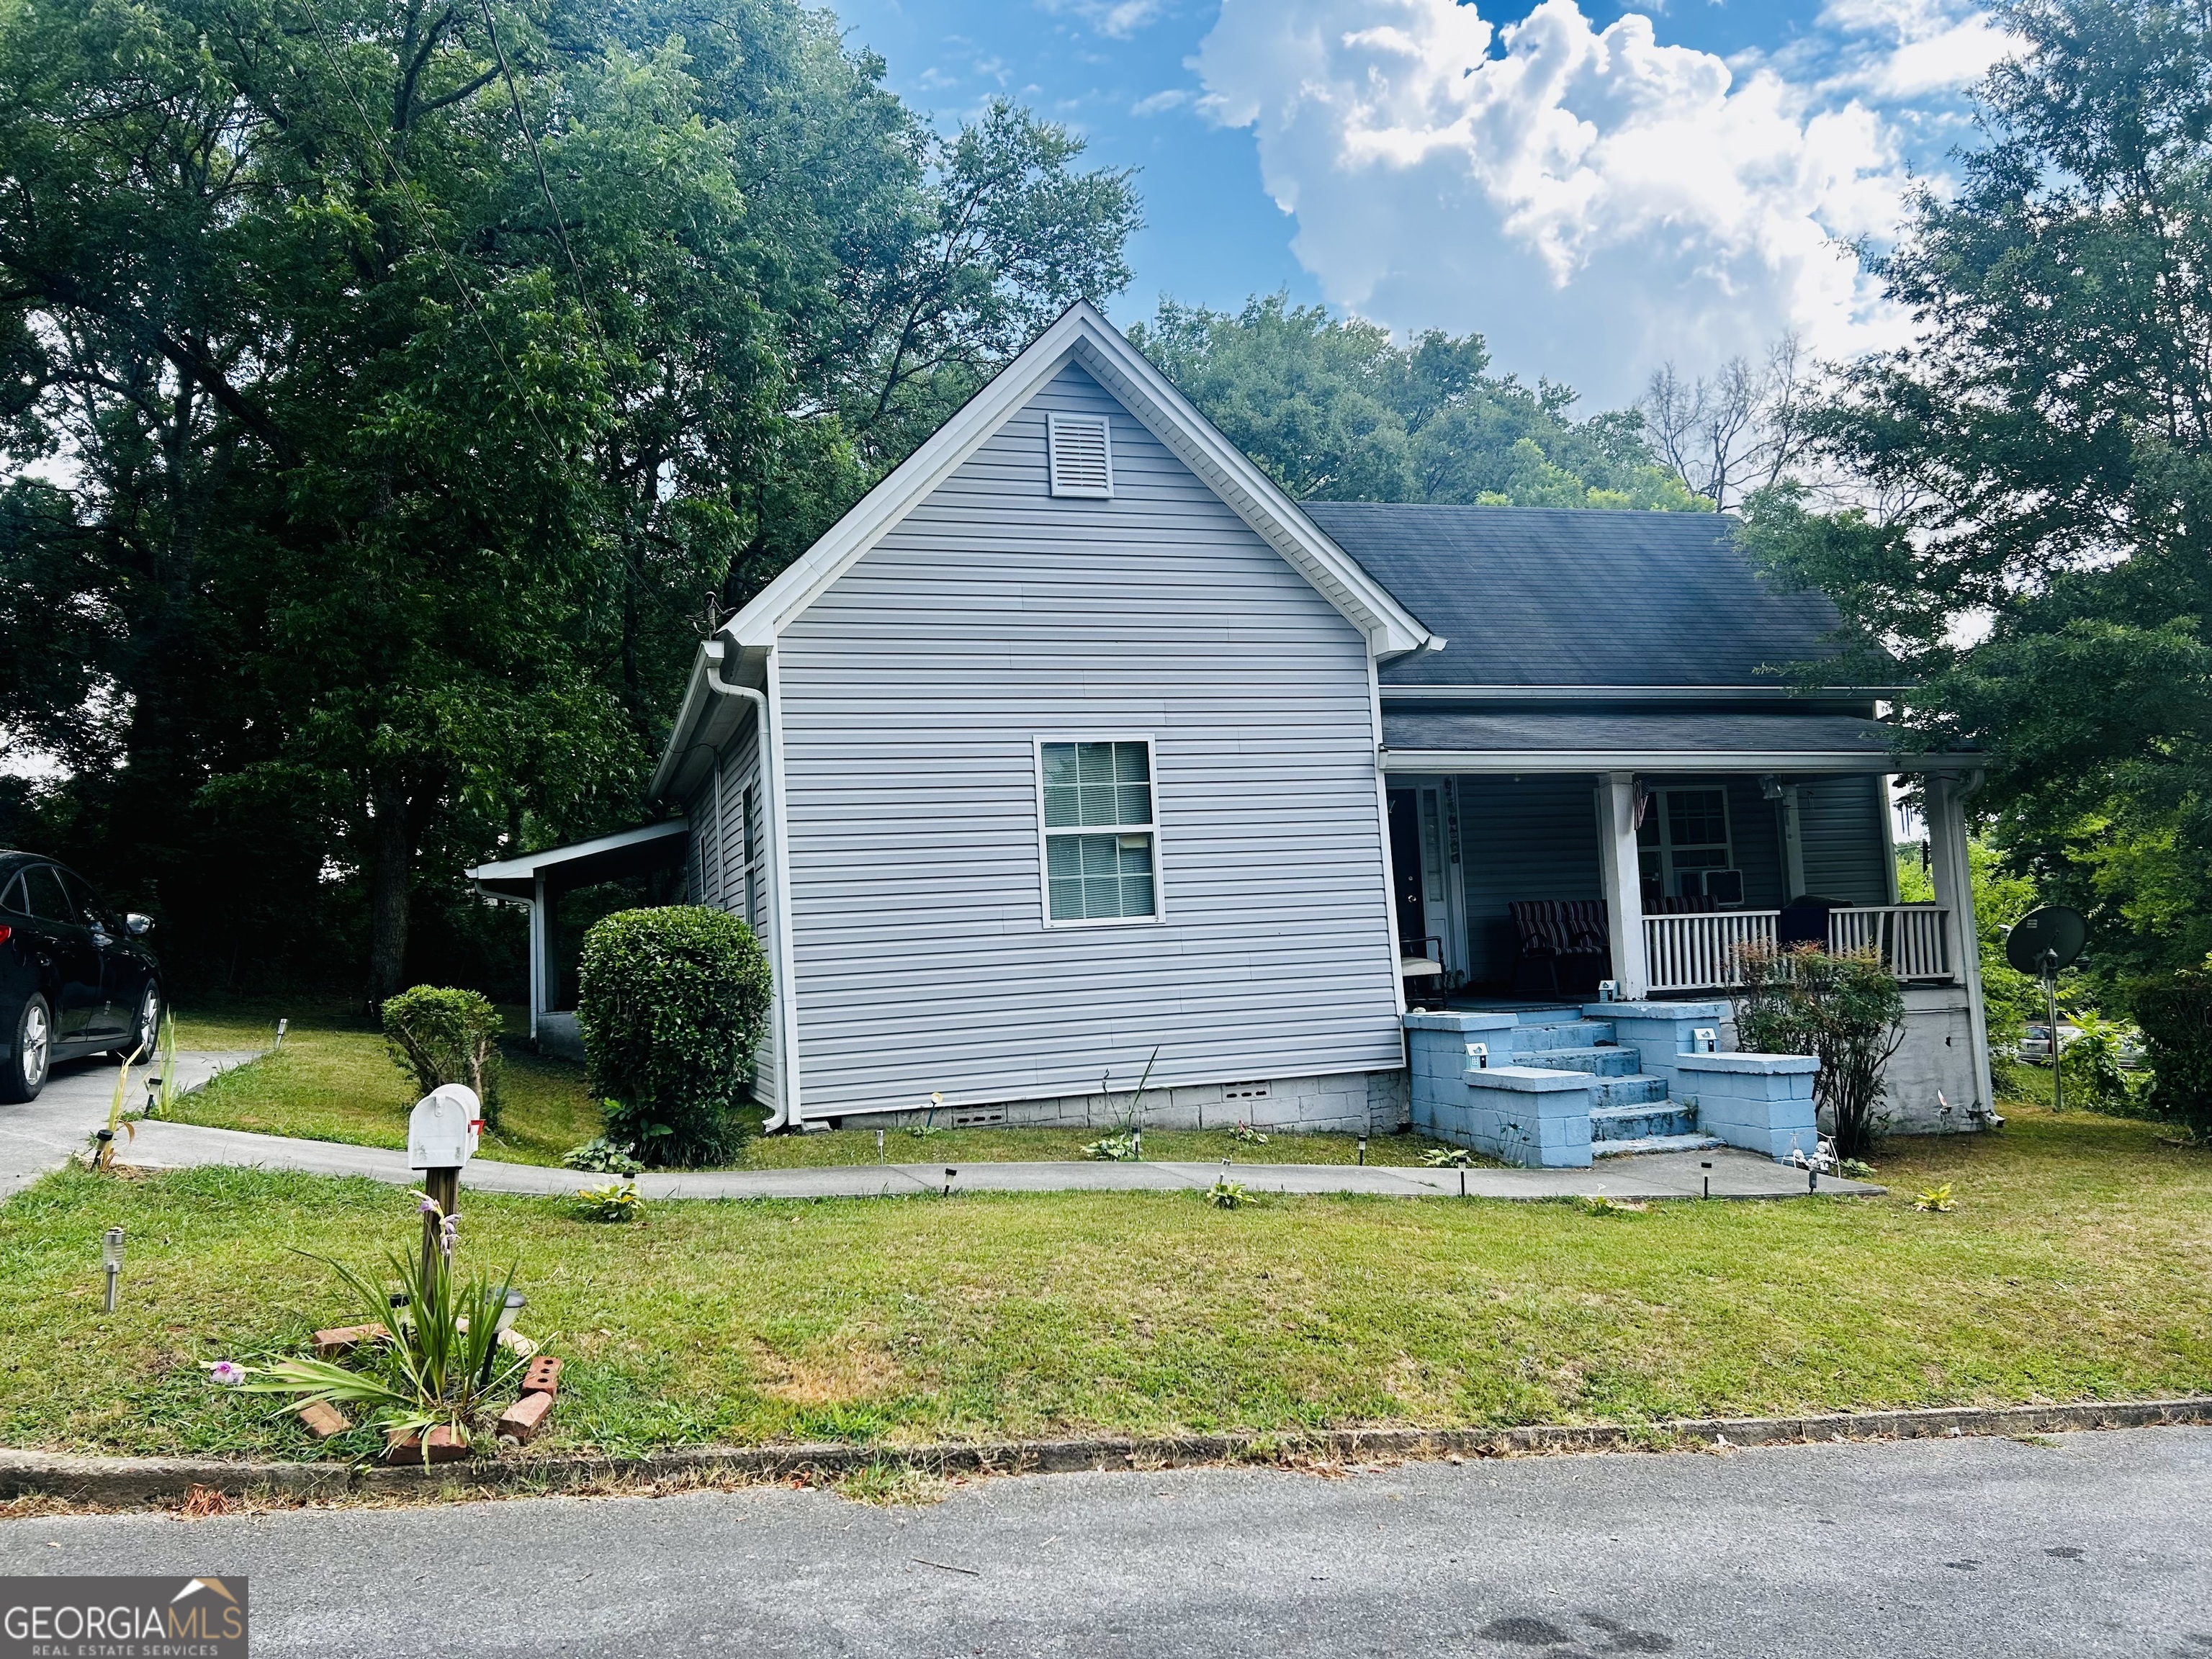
[139,1482]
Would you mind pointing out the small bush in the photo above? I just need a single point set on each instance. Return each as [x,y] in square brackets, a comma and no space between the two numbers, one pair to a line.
[2175,1013]
[672,1003]
[617,1201]
[437,1034]
[1227,1194]
[1845,1009]
[601,1156]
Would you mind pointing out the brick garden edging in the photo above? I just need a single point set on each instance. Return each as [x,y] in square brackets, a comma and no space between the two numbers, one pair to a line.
[120,1482]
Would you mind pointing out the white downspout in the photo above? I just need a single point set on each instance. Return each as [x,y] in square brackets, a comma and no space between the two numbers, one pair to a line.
[785,1060]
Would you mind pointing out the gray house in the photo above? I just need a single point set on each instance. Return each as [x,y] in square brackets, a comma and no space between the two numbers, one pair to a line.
[1077,749]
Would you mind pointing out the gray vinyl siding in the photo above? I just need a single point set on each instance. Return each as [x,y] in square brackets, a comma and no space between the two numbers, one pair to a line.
[913,693]
[715,869]
[1840,831]
[1528,838]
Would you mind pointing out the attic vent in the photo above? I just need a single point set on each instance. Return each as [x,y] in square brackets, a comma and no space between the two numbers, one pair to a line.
[1082,455]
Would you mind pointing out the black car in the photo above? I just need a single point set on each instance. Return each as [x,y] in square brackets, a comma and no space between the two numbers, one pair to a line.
[74,979]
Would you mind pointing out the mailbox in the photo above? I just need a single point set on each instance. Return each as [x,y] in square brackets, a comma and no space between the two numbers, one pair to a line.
[442,1130]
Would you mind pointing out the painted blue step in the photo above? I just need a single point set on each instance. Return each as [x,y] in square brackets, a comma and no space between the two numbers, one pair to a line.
[1644,1122]
[1655,1144]
[1565,1013]
[1637,1090]
[1598,1062]
[1560,1034]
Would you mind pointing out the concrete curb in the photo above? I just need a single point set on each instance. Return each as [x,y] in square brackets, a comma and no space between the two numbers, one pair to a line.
[136,1482]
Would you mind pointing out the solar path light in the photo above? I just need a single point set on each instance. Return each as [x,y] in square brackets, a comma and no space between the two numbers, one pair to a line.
[110,1259]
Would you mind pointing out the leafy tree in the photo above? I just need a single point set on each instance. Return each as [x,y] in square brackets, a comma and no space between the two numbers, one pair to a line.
[1338,411]
[391,385]
[2033,544]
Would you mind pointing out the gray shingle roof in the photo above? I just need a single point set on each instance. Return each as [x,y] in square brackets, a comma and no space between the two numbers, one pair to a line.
[1539,596]
[1706,731]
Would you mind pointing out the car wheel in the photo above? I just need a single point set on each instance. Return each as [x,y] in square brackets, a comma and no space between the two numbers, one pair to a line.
[23,1073]
[148,1031]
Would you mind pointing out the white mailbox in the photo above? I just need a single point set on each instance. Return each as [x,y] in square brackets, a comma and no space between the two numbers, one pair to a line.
[442,1130]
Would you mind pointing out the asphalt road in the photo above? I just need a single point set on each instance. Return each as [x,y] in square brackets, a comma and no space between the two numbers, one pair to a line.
[2088,1544]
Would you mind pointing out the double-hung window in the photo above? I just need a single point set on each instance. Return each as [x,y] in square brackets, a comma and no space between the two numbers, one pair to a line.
[1100,835]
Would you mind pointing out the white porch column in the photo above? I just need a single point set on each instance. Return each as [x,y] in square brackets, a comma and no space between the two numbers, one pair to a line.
[1793,846]
[1624,883]
[1952,871]
[536,953]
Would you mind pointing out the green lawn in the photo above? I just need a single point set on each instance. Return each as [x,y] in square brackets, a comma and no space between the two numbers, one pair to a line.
[333,1081]
[2074,1268]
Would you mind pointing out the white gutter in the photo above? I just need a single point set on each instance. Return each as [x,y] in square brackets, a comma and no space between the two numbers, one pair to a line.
[1668,759]
[711,654]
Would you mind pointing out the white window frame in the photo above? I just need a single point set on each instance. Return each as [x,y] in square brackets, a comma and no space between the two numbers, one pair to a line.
[1101,423]
[1663,844]
[1044,852]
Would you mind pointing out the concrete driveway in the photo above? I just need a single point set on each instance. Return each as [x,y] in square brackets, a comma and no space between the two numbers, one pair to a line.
[45,1133]
[2082,1545]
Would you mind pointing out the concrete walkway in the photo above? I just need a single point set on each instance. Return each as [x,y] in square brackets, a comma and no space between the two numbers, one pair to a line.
[1671,1175]
[46,1133]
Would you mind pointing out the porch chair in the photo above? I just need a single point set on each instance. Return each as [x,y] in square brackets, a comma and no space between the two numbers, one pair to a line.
[1553,931]
[1424,973]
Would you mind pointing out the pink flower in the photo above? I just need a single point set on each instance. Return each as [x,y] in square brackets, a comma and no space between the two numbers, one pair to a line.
[227,1373]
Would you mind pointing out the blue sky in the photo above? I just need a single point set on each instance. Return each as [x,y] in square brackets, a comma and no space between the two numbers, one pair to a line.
[1595,190]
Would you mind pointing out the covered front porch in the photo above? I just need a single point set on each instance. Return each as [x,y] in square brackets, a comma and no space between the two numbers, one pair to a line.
[1527,875]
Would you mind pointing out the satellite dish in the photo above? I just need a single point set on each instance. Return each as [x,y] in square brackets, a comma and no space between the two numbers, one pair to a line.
[2044,941]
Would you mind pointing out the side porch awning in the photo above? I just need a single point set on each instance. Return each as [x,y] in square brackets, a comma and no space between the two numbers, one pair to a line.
[1677,740]
[539,879]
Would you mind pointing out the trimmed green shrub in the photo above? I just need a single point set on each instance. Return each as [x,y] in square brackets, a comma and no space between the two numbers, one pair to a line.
[2175,1013]
[437,1034]
[671,1002]
[1845,1008]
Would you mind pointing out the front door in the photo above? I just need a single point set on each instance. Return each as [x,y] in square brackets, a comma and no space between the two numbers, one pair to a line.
[1407,871]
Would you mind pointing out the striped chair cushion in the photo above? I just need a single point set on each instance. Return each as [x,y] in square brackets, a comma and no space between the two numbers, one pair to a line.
[1560,928]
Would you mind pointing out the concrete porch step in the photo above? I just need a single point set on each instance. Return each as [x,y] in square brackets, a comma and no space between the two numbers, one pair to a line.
[1654,1144]
[1642,1122]
[1528,1039]
[1598,1062]
[1638,1089]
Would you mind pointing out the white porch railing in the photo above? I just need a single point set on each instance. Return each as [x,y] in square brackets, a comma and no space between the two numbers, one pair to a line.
[1698,952]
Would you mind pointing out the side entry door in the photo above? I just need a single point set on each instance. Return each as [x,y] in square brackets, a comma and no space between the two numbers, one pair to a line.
[67,942]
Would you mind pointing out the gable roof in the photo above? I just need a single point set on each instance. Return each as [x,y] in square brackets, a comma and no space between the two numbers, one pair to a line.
[1082,335]
[1577,598]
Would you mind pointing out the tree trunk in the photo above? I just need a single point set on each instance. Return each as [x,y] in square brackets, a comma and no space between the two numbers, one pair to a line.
[391,879]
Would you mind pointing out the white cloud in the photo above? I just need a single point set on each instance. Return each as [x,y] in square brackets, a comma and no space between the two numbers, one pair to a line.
[1917,46]
[1161,102]
[1117,19]
[1593,201]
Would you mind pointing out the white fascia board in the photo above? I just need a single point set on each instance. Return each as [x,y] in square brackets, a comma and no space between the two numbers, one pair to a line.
[527,866]
[1670,760]
[1630,693]
[1083,335]
[697,707]
[679,735]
